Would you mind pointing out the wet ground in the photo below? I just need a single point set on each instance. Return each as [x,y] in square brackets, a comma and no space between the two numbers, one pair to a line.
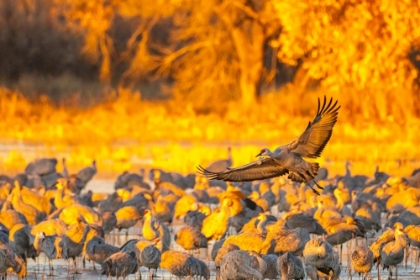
[39,269]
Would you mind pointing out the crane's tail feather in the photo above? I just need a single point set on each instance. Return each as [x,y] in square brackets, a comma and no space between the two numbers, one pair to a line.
[315,168]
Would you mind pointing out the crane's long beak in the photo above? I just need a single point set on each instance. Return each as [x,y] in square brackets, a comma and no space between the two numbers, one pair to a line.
[258,154]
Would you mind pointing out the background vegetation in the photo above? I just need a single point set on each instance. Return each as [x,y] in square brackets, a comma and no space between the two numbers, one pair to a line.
[171,83]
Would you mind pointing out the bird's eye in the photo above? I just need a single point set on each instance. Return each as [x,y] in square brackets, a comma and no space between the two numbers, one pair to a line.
[263,151]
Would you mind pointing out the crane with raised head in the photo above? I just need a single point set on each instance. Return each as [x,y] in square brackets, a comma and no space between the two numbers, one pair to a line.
[290,158]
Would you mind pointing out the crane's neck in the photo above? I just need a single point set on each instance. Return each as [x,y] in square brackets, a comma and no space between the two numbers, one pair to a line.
[401,240]
[348,172]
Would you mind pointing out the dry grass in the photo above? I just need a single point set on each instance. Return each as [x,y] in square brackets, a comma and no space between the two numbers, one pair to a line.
[128,133]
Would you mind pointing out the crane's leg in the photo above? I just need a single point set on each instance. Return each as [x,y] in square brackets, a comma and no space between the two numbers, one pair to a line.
[349,269]
[318,186]
[312,176]
[390,272]
[51,268]
[139,273]
[307,181]
[75,266]
[68,266]
[313,189]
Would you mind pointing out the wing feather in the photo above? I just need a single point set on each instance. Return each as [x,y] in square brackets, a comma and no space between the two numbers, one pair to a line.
[257,170]
[318,132]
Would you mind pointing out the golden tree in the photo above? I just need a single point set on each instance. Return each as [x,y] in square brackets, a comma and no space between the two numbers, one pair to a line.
[215,49]
[360,45]
[220,48]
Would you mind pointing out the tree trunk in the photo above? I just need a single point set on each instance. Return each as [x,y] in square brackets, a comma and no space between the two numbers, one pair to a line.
[248,90]
[249,44]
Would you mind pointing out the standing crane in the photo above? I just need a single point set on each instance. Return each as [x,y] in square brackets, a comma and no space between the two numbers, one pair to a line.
[289,158]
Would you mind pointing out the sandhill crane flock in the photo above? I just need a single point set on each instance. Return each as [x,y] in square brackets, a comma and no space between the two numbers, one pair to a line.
[222,222]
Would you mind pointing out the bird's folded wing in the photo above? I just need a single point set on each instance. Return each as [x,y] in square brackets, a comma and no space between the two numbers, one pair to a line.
[257,170]
[313,140]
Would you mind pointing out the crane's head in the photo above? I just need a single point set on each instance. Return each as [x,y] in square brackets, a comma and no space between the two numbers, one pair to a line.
[264,152]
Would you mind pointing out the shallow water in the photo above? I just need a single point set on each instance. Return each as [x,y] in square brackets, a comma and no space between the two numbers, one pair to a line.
[40,269]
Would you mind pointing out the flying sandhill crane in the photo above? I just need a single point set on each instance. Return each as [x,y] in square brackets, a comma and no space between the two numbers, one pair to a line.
[290,267]
[362,260]
[236,265]
[288,159]
[182,264]
[221,165]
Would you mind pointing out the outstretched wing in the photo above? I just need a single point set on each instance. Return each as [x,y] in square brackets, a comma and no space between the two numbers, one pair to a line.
[261,169]
[313,140]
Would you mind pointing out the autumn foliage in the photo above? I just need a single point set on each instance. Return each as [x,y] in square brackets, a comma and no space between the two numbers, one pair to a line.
[122,73]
